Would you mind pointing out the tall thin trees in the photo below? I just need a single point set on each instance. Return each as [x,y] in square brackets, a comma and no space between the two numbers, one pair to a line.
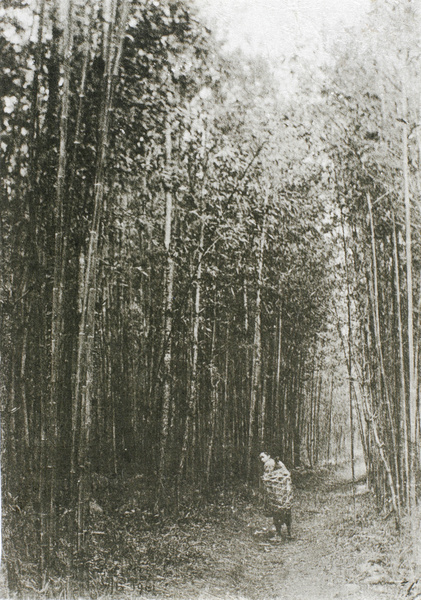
[168,318]
[256,391]
[411,353]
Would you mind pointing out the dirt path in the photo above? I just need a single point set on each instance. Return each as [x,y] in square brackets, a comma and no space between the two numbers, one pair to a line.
[329,557]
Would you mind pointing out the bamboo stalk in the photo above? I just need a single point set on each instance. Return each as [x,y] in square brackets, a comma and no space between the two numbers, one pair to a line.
[59,267]
[193,388]
[408,245]
[403,411]
[168,307]
[84,364]
[378,342]
[256,384]
[277,398]
[374,429]
[214,403]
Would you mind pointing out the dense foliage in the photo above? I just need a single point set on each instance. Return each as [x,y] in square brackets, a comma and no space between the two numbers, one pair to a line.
[179,247]
[374,151]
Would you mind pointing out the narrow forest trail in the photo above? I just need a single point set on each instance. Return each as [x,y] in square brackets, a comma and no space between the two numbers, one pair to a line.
[329,556]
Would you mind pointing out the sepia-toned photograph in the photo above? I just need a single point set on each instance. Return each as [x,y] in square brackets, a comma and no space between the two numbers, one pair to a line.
[210,299]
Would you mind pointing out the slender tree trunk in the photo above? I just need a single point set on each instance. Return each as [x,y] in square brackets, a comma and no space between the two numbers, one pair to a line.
[59,270]
[262,414]
[246,380]
[403,411]
[23,396]
[112,48]
[317,434]
[296,411]
[191,404]
[195,352]
[311,419]
[349,364]
[277,398]
[383,457]
[412,382]
[168,317]
[214,405]
[256,383]
[368,412]
[329,426]
[226,430]
[376,318]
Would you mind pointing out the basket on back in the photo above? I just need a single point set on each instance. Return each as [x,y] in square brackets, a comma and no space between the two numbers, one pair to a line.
[278,487]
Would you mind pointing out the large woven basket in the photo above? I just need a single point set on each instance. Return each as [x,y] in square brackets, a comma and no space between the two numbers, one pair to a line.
[277,486]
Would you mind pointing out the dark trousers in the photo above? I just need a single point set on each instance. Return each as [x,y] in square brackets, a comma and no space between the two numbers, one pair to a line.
[281,516]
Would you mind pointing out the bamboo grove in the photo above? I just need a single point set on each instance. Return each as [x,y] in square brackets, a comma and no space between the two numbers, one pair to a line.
[180,249]
[374,146]
[163,289]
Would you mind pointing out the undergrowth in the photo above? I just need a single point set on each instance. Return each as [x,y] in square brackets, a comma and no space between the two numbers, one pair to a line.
[131,547]
[134,551]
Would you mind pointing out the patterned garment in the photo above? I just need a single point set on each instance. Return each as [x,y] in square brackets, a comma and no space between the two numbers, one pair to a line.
[277,483]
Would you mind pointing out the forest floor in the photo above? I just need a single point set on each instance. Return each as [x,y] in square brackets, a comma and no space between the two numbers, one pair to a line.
[331,555]
[228,549]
